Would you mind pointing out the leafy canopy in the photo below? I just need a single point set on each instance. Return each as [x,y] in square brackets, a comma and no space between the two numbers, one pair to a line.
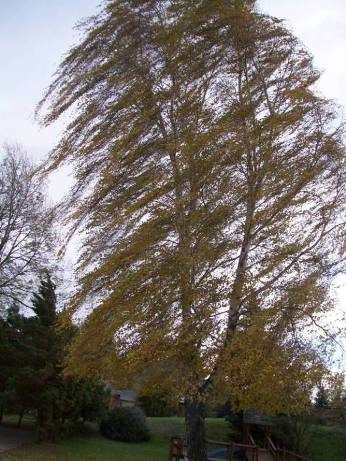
[209,186]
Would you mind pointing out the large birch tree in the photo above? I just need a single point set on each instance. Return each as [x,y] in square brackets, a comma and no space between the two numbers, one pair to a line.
[210,192]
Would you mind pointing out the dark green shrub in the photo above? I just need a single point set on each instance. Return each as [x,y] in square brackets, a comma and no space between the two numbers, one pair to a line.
[223,410]
[157,404]
[126,425]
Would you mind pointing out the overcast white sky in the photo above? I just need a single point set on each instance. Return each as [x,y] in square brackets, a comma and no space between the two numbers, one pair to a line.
[35,34]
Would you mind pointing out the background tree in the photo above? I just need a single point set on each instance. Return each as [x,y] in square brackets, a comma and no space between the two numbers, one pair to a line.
[337,390]
[210,188]
[25,229]
[159,403]
[32,351]
[7,357]
[331,392]
[48,349]
[31,355]
[321,400]
[15,363]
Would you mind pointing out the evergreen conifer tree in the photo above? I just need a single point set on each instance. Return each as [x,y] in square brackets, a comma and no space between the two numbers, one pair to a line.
[44,302]
[321,400]
[48,350]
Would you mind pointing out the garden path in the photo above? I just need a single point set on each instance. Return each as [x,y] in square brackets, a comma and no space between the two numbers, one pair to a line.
[12,438]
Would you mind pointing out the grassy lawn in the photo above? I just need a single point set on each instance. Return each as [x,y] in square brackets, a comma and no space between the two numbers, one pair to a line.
[91,446]
[328,444]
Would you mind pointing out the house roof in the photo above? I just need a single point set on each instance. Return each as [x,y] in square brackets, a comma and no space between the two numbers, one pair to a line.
[125,394]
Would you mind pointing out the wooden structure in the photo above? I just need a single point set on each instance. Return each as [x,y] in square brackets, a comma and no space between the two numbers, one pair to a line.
[252,420]
[248,449]
[177,449]
[255,453]
[252,452]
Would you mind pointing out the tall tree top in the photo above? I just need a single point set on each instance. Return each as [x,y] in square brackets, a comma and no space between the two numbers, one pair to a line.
[210,186]
[44,302]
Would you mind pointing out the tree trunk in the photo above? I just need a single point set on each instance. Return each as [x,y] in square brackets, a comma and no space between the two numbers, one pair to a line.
[195,431]
[21,414]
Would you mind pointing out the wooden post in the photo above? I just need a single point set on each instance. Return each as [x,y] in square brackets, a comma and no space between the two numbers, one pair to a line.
[170,453]
[176,449]
[231,451]
[20,418]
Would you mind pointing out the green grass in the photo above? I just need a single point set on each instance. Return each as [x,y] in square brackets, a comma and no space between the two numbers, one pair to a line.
[91,446]
[327,444]
[217,428]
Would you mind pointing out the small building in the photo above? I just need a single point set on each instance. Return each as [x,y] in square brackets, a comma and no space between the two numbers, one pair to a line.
[122,398]
[252,420]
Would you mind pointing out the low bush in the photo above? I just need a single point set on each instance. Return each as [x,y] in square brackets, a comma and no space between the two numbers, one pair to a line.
[125,425]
